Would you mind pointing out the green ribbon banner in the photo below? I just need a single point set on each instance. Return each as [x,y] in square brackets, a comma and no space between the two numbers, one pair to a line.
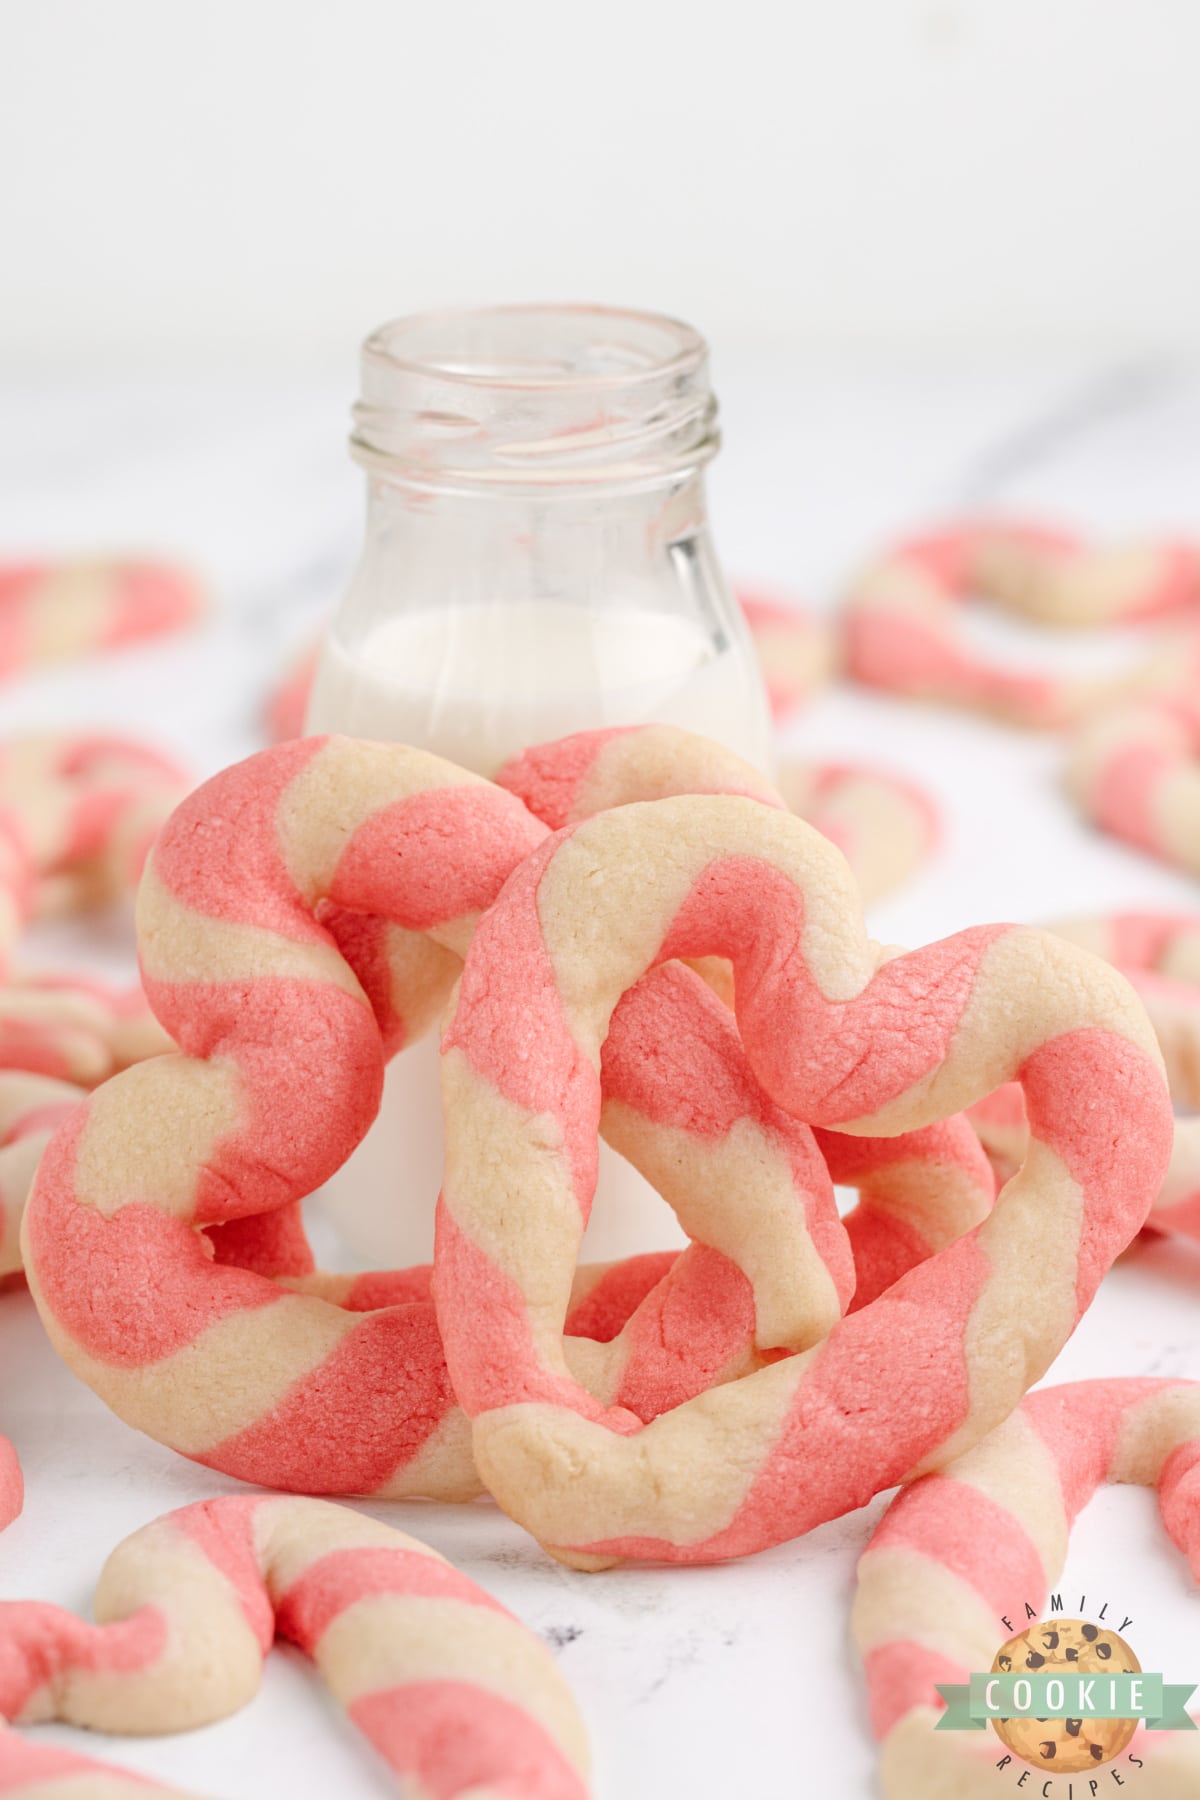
[1054,1694]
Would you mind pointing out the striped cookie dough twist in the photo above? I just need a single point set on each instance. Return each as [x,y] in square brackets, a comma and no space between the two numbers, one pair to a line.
[53,612]
[840,1033]
[1135,772]
[78,814]
[902,632]
[192,1166]
[1003,1130]
[797,651]
[74,1027]
[884,826]
[917,1193]
[287,702]
[58,1036]
[1160,955]
[455,1694]
[1177,1208]
[33,1771]
[31,1109]
[959,1555]
[278,1076]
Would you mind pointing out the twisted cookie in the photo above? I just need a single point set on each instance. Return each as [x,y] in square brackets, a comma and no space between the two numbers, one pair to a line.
[454,1693]
[173,1190]
[958,1556]
[1134,771]
[901,629]
[51,612]
[796,651]
[839,1033]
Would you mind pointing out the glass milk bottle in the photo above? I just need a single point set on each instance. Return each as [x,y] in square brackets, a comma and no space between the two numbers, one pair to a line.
[537,562]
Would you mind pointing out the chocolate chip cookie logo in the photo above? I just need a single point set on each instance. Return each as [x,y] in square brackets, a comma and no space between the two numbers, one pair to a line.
[1075,1647]
[1065,1696]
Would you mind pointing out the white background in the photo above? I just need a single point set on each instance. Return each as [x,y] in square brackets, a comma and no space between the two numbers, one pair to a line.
[258,173]
[948,253]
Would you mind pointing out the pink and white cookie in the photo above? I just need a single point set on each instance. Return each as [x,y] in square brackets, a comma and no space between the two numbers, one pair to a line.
[1050,575]
[12,1484]
[456,1695]
[797,651]
[1002,1126]
[33,1771]
[1159,953]
[78,813]
[841,1034]
[1135,772]
[74,1027]
[903,635]
[317,1386]
[287,703]
[53,612]
[31,1109]
[278,1075]
[573,778]
[1177,1208]
[917,1193]
[961,1553]
[883,825]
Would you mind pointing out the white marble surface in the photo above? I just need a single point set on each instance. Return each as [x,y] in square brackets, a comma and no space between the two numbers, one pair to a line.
[713,1681]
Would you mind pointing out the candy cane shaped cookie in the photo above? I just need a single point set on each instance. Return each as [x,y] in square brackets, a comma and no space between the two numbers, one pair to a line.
[1003,1129]
[77,817]
[288,702]
[31,1771]
[1048,575]
[796,651]
[1160,955]
[75,1028]
[772,1272]
[840,1033]
[883,826]
[1177,1208]
[1135,772]
[280,1075]
[455,1694]
[31,1109]
[946,1579]
[918,1192]
[51,612]
[47,1064]
[901,629]
[12,1485]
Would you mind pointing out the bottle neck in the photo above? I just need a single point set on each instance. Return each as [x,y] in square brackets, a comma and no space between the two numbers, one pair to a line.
[433,546]
[537,557]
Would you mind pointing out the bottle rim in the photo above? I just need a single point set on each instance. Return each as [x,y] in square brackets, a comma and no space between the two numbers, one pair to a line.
[534,394]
